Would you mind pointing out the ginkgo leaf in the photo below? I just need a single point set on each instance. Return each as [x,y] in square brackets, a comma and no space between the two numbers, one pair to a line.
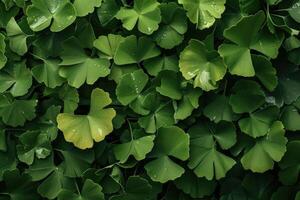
[237,56]
[136,188]
[131,50]
[291,118]
[130,86]
[3,58]
[266,150]
[203,13]
[107,45]
[145,13]
[43,13]
[169,142]
[205,159]
[15,78]
[48,72]
[173,26]
[188,103]
[201,65]
[156,115]
[259,122]
[138,148]
[265,72]
[78,68]
[33,144]
[219,110]
[81,130]
[17,38]
[195,186]
[90,191]
[21,110]
[158,64]
[85,7]
[247,96]
[289,164]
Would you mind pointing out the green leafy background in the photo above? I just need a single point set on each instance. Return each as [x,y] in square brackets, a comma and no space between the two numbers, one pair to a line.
[149,99]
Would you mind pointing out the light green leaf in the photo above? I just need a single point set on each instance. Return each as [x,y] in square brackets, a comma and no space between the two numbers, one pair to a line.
[203,13]
[205,160]
[132,50]
[42,12]
[261,156]
[81,130]
[77,67]
[145,13]
[15,78]
[130,86]
[84,7]
[201,65]
[169,142]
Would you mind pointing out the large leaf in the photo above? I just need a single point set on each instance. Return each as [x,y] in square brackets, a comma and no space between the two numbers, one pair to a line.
[81,130]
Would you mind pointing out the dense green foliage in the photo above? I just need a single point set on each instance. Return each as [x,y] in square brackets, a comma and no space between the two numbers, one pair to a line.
[149,99]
